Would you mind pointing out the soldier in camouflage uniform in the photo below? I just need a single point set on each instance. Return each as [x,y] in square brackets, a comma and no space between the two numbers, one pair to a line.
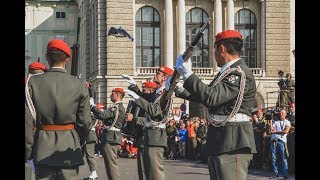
[113,118]
[229,100]
[57,105]
[172,132]
[202,140]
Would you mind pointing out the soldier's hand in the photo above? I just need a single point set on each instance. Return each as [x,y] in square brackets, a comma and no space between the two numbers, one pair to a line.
[131,94]
[91,102]
[129,79]
[129,117]
[179,88]
[184,68]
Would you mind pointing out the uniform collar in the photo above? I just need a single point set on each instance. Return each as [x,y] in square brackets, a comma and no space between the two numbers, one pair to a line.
[118,102]
[224,67]
[159,90]
[57,69]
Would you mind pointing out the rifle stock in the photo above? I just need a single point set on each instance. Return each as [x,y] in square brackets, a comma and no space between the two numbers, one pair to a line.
[166,98]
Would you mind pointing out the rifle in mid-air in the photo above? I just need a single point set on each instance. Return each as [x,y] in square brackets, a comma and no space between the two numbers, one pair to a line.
[166,97]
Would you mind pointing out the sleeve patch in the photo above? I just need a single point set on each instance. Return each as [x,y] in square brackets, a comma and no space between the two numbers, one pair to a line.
[233,78]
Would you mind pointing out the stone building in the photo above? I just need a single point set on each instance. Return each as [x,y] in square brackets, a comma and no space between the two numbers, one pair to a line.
[162,29]
[45,20]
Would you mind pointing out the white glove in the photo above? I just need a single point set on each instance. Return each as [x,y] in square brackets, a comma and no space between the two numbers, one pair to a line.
[91,101]
[30,162]
[131,94]
[167,84]
[184,68]
[129,79]
[179,88]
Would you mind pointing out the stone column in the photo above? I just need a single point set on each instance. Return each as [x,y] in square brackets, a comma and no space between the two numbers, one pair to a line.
[217,22]
[181,27]
[263,34]
[217,17]
[168,35]
[182,33]
[230,14]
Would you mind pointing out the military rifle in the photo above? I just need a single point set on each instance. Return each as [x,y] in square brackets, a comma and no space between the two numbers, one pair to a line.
[166,98]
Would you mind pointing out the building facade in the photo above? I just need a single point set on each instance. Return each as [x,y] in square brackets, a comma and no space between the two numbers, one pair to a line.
[162,29]
[45,20]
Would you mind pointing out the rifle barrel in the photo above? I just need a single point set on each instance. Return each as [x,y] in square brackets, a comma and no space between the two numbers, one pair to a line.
[165,99]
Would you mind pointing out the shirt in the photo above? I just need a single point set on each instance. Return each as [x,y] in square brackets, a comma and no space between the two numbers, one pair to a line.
[224,67]
[279,125]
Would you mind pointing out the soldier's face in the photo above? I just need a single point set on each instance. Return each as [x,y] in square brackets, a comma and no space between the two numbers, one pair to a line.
[113,96]
[217,55]
[159,77]
[147,90]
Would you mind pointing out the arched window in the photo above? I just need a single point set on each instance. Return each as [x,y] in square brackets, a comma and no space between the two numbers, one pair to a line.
[147,37]
[246,24]
[195,18]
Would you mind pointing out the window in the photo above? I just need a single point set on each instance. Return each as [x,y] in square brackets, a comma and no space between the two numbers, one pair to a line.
[246,24]
[60,15]
[147,37]
[195,18]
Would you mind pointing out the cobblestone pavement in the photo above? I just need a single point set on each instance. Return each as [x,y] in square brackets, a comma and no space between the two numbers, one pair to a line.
[174,169]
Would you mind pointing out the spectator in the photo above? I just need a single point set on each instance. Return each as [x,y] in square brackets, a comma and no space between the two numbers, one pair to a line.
[192,140]
[292,112]
[183,135]
[259,124]
[279,130]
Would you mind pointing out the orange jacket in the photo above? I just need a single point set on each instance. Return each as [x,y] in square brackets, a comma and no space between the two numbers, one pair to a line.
[191,132]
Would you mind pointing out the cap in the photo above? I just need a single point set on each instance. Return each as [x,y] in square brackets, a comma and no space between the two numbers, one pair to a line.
[228,34]
[292,104]
[150,84]
[100,106]
[118,90]
[58,44]
[166,70]
[37,65]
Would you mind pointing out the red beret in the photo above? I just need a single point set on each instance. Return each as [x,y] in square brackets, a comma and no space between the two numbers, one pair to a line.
[58,44]
[37,65]
[100,106]
[228,34]
[118,90]
[166,70]
[150,84]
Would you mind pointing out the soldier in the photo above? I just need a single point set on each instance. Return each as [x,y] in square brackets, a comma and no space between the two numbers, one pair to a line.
[113,118]
[290,87]
[57,104]
[172,132]
[155,136]
[35,68]
[201,140]
[89,147]
[229,100]
[147,87]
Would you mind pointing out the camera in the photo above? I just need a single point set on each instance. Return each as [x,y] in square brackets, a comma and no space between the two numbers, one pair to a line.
[268,115]
[272,114]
